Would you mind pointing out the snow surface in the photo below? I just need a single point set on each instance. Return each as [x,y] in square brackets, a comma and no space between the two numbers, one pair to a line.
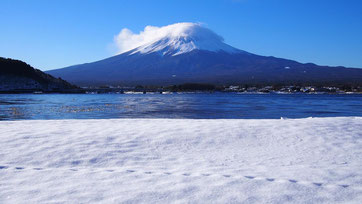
[173,40]
[313,160]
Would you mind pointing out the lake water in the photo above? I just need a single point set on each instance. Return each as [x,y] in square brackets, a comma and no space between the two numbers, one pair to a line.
[198,105]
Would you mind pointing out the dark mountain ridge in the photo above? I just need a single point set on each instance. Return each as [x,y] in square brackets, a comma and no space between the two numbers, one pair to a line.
[17,76]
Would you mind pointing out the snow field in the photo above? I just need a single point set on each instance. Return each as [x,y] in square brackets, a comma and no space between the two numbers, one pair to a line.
[312,160]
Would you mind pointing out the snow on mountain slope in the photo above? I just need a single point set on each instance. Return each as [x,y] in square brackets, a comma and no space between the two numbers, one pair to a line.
[178,39]
[312,160]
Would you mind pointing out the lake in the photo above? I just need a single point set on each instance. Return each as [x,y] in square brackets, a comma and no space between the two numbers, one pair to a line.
[179,105]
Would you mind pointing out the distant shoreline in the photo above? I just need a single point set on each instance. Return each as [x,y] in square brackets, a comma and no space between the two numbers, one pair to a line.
[198,88]
[121,92]
[183,92]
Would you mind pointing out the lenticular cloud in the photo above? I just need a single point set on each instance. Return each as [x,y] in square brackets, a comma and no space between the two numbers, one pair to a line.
[127,40]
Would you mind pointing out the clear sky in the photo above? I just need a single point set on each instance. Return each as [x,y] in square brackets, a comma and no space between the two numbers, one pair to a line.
[51,34]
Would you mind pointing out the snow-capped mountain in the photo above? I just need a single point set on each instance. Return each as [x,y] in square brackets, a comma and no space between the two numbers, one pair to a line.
[189,52]
[182,38]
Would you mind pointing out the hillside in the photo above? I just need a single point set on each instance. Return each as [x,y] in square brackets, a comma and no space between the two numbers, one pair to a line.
[17,76]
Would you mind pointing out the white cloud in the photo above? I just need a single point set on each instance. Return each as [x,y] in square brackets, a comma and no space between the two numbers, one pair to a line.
[127,40]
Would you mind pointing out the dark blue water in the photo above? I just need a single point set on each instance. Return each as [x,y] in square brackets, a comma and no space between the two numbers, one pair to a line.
[201,105]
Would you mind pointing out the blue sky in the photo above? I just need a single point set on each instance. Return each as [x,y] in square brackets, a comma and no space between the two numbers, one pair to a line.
[51,34]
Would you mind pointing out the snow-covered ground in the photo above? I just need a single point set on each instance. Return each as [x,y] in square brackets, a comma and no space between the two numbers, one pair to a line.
[313,160]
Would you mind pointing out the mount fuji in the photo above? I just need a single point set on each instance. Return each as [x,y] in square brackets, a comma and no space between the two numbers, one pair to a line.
[190,53]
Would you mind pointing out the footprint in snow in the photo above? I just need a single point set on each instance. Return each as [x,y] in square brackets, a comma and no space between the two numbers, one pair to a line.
[74,163]
[185,174]
[38,169]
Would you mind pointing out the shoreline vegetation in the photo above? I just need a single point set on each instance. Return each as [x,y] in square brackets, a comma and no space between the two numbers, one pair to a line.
[198,88]
[209,88]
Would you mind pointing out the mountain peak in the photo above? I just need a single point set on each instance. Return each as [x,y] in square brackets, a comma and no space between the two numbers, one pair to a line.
[178,39]
[201,56]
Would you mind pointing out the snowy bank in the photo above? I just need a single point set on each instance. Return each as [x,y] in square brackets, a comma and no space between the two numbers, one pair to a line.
[170,160]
